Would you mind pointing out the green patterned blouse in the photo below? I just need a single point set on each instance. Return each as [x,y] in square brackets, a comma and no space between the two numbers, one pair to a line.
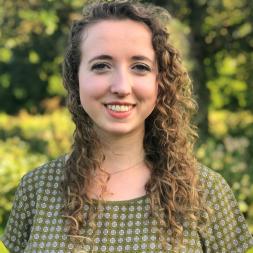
[35,224]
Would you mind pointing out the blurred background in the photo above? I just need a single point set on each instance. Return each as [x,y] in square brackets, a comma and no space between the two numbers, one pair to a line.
[215,38]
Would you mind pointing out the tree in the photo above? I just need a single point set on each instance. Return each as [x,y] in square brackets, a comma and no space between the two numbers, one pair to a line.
[221,42]
[33,38]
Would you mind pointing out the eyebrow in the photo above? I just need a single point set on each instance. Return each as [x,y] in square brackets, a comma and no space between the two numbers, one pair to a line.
[141,58]
[108,57]
[100,57]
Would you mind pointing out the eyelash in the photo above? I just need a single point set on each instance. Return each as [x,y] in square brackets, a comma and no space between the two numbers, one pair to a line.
[100,66]
[104,66]
[142,67]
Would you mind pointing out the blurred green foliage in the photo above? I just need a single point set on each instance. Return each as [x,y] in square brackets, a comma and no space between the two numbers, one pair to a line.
[33,36]
[215,38]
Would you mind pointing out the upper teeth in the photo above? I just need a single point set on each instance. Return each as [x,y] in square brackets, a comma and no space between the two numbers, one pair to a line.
[119,108]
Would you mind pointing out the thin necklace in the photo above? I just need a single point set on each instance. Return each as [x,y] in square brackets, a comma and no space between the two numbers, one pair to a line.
[108,177]
[122,170]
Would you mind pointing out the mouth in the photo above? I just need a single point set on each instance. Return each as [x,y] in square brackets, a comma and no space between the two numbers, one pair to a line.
[119,108]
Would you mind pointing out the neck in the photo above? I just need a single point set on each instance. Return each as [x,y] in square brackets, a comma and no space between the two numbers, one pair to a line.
[123,174]
[122,152]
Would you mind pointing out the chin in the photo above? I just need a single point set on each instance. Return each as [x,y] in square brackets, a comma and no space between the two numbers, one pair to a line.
[120,129]
[117,130]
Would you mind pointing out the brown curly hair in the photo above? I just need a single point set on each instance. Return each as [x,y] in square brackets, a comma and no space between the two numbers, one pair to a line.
[169,134]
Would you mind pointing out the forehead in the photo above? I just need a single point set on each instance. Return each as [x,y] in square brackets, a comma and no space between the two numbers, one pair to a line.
[116,35]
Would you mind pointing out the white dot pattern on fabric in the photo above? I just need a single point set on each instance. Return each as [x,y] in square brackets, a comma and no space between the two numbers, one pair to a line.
[35,223]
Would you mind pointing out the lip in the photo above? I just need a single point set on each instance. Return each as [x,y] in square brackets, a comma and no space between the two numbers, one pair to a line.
[119,103]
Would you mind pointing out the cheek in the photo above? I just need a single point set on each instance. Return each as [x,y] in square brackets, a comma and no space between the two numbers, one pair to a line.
[91,87]
[148,90]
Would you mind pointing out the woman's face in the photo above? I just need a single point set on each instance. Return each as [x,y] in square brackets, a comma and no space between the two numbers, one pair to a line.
[117,75]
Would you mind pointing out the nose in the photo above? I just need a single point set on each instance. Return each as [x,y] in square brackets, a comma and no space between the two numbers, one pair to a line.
[121,83]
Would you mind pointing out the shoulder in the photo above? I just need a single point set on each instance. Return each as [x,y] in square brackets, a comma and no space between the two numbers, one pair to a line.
[208,175]
[36,190]
[215,190]
[48,173]
[226,229]
[211,180]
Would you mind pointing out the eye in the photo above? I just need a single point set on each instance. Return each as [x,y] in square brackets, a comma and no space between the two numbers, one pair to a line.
[141,68]
[100,67]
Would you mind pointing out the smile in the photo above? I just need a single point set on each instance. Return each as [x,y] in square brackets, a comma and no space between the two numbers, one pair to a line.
[119,108]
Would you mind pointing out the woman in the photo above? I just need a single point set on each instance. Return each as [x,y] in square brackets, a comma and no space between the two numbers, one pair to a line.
[131,182]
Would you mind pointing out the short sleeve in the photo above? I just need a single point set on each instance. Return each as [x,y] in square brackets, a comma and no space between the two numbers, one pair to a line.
[17,231]
[227,230]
